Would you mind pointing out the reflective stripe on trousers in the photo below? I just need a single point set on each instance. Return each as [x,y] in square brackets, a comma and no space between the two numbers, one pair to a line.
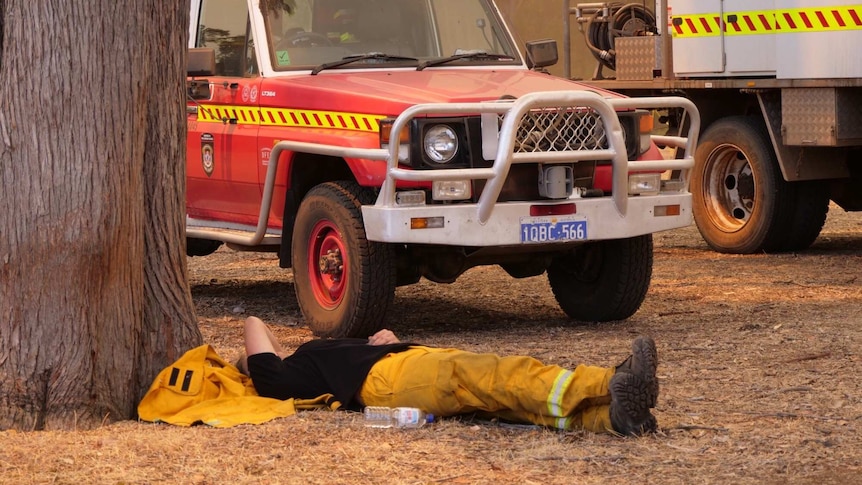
[446,382]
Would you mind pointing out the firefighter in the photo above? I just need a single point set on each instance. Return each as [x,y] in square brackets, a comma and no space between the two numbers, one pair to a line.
[344,19]
[383,371]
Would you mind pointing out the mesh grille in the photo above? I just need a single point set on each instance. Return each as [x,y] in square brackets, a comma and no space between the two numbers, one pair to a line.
[560,129]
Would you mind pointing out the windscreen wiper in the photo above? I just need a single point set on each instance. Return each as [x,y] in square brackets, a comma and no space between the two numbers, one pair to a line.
[466,55]
[360,57]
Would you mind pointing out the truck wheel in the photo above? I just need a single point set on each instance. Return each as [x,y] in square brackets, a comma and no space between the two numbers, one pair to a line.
[812,206]
[344,283]
[603,281]
[741,203]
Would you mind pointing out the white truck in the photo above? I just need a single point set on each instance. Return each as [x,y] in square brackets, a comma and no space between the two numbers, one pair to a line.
[779,88]
[371,143]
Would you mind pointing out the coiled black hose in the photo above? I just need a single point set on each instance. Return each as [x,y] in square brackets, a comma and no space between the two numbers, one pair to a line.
[624,20]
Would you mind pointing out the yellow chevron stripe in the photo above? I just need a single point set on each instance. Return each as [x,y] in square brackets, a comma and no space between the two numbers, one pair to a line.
[751,22]
[779,21]
[819,19]
[699,25]
[295,118]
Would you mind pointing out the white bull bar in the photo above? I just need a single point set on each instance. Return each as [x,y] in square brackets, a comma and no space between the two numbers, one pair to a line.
[489,223]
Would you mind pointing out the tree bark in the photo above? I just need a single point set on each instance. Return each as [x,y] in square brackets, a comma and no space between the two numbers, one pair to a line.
[94,297]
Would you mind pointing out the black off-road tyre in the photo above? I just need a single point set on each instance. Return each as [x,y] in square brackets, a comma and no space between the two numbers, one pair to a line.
[353,301]
[604,280]
[812,206]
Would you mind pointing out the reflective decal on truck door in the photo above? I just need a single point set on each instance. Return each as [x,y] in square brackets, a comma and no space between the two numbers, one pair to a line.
[207,153]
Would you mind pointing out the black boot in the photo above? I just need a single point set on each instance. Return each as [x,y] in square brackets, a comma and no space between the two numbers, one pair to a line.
[630,398]
[643,363]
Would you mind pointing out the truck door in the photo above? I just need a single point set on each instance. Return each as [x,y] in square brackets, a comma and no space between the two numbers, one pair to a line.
[222,155]
[698,43]
[749,37]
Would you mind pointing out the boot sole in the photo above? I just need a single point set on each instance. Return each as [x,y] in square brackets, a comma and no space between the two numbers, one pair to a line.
[630,399]
[643,348]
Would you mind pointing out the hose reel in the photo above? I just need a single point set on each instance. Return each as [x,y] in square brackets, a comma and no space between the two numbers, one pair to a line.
[605,22]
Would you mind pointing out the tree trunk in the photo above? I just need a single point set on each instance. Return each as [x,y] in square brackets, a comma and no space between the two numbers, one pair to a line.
[94,297]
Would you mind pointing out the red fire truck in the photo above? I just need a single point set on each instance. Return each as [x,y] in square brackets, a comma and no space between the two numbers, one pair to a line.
[372,143]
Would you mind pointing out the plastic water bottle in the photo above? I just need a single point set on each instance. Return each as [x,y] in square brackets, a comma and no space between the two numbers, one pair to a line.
[403,417]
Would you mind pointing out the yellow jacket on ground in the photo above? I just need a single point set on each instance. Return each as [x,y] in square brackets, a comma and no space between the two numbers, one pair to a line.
[201,387]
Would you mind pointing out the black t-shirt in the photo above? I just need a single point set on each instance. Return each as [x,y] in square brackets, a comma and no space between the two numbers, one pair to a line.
[337,366]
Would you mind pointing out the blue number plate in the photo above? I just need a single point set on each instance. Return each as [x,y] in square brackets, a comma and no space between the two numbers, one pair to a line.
[552,229]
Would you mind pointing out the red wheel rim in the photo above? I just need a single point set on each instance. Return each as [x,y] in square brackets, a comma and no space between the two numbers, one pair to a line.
[327,265]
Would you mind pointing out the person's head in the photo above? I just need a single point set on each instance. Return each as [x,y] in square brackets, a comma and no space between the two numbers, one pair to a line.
[242,364]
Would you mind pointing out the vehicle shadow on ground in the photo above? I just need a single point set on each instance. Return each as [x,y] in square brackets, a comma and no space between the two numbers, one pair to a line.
[417,311]
[831,244]
[274,299]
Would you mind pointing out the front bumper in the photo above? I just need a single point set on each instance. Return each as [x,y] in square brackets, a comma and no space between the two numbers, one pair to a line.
[463,228]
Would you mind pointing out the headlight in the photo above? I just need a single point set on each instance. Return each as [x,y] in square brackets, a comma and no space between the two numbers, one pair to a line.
[440,143]
[644,183]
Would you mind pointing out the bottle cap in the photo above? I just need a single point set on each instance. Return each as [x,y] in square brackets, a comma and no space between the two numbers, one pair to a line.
[429,418]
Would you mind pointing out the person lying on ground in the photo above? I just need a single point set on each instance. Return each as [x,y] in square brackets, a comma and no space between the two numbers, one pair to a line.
[383,371]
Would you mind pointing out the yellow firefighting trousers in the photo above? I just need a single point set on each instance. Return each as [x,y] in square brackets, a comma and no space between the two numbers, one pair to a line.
[446,382]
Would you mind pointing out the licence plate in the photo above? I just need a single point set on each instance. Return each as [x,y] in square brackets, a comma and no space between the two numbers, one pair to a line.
[552,229]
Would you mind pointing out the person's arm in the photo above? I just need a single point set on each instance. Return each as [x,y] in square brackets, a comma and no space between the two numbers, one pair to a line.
[383,337]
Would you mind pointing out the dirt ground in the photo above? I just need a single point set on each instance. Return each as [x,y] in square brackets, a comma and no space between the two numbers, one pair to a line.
[759,370]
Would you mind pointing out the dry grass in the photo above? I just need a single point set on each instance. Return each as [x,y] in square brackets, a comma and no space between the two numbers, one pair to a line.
[759,370]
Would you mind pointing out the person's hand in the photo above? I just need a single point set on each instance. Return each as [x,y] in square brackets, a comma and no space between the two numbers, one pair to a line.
[383,337]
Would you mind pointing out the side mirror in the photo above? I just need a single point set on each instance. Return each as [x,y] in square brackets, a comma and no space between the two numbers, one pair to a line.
[201,61]
[541,53]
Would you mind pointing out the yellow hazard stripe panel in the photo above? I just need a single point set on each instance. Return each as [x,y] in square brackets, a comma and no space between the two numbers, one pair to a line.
[780,21]
[700,25]
[819,19]
[296,118]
